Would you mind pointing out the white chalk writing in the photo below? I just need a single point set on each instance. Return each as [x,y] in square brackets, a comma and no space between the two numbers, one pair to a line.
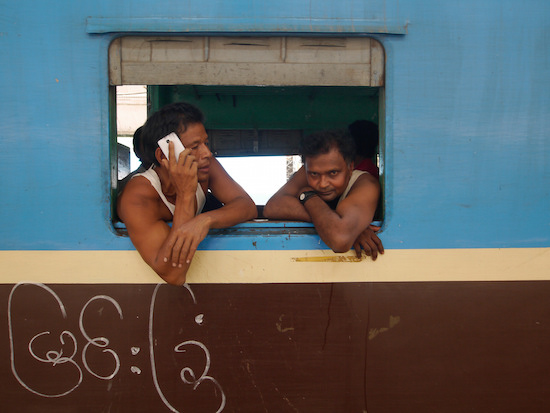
[65,352]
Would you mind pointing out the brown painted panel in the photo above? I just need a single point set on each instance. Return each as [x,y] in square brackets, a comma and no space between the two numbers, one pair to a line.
[355,347]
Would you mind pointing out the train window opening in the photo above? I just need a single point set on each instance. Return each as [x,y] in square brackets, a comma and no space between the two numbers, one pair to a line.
[131,113]
[261,176]
[259,97]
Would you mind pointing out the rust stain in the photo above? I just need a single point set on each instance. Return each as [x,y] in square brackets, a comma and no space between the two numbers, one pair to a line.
[280,327]
[347,258]
[393,321]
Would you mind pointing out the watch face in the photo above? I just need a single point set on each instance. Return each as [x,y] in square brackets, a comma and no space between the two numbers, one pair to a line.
[302,196]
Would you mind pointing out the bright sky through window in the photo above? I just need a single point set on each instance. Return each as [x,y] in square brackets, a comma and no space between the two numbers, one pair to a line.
[260,176]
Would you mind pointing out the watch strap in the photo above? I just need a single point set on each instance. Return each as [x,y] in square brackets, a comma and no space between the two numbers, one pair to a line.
[304,196]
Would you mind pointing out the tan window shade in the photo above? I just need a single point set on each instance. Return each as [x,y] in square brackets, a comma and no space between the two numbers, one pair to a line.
[249,61]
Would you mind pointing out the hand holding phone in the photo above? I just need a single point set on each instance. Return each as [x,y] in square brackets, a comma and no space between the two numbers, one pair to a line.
[178,146]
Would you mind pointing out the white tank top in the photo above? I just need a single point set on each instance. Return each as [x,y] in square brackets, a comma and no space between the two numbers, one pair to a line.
[354,175]
[154,179]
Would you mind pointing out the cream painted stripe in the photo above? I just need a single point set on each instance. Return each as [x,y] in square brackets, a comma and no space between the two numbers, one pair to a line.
[106,267]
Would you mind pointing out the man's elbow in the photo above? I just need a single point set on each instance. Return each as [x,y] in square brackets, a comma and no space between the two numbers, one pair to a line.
[179,281]
[246,208]
[267,212]
[339,244]
[273,208]
[174,277]
[252,211]
[340,248]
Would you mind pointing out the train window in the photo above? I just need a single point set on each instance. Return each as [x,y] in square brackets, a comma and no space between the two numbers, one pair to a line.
[131,110]
[260,95]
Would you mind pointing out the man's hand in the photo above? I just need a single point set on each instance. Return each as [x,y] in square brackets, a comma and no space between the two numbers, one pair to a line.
[369,241]
[184,240]
[183,172]
[187,231]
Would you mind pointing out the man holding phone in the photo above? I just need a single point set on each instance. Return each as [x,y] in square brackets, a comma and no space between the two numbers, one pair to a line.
[173,189]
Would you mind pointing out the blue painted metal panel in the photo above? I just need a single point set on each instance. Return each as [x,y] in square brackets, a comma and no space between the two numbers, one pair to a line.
[242,25]
[467,145]
[470,100]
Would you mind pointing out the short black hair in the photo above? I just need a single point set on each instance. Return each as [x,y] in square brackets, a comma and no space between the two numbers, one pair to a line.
[365,135]
[323,141]
[175,117]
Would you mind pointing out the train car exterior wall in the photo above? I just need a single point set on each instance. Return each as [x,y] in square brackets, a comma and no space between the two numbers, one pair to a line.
[463,283]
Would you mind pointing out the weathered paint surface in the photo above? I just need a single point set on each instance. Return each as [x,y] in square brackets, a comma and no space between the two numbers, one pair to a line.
[466,112]
[453,317]
[350,347]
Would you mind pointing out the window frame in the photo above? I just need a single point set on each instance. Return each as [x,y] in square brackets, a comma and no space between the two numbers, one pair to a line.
[120,72]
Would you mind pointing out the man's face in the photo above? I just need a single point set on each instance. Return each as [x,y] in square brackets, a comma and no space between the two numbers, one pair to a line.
[328,174]
[196,139]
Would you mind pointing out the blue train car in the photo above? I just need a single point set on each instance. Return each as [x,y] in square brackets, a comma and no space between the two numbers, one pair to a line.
[455,315]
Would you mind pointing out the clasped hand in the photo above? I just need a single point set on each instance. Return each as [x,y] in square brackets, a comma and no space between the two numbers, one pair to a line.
[184,241]
[369,242]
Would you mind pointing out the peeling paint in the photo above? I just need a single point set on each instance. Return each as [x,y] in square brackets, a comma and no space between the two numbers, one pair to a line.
[279,325]
[339,258]
[393,321]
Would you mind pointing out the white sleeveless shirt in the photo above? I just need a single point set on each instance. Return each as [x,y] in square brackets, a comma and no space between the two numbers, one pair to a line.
[354,175]
[154,179]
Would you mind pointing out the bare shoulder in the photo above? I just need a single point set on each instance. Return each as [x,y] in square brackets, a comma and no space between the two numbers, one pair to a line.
[365,188]
[366,180]
[299,175]
[138,195]
[296,182]
[361,202]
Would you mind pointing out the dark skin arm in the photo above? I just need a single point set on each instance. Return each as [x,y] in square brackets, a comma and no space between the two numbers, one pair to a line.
[238,207]
[168,250]
[146,216]
[284,204]
[340,229]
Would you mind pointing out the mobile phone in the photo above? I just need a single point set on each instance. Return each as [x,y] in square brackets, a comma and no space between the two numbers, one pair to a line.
[178,146]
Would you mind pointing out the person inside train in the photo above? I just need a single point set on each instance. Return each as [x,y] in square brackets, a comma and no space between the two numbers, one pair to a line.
[170,190]
[365,135]
[327,191]
[142,168]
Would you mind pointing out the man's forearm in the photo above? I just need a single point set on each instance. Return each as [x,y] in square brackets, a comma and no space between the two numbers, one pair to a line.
[330,225]
[288,208]
[184,210]
[238,210]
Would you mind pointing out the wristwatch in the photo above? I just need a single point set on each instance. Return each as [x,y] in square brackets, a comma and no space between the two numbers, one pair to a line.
[304,196]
